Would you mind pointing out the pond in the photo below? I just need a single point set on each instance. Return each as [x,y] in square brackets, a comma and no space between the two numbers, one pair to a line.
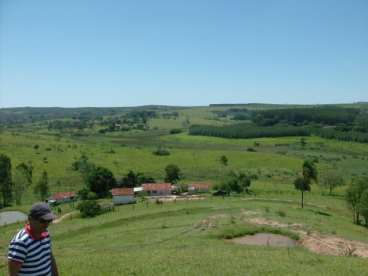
[11,217]
[266,239]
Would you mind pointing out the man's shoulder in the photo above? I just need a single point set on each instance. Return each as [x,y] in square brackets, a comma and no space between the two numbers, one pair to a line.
[21,236]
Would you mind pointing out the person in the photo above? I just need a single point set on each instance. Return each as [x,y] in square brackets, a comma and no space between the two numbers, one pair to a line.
[30,249]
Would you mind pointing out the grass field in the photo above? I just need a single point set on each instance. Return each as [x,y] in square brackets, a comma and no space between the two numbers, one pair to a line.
[174,239]
[185,238]
[276,159]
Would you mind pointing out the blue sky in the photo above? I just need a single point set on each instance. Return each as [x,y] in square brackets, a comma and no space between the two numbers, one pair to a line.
[127,53]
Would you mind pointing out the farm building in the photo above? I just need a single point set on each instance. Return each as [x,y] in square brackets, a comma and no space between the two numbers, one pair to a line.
[198,188]
[157,189]
[123,196]
[61,197]
[138,189]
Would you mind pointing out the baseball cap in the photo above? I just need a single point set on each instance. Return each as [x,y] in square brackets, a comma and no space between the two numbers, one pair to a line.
[42,211]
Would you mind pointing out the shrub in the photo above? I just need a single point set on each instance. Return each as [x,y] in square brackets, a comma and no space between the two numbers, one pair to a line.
[281,213]
[160,151]
[176,131]
[181,188]
[89,208]
[173,173]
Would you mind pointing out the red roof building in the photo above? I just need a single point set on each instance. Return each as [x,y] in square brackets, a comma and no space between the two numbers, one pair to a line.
[157,189]
[62,196]
[122,192]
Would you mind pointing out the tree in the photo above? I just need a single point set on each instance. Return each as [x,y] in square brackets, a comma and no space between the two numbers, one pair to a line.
[6,184]
[363,205]
[89,208]
[22,180]
[303,184]
[303,142]
[223,160]
[237,182]
[100,181]
[83,166]
[310,173]
[332,179]
[354,194]
[42,187]
[173,173]
[244,181]
[132,179]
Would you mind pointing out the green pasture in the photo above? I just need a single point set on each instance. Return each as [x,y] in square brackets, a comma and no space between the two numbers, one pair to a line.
[272,159]
[174,239]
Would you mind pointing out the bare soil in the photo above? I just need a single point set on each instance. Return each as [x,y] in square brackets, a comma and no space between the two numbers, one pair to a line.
[174,198]
[266,239]
[318,243]
[63,217]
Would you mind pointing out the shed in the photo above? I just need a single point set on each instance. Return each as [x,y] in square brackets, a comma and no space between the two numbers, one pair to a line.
[198,188]
[123,196]
[157,189]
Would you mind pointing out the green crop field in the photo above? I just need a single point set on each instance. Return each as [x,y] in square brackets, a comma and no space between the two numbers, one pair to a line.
[187,237]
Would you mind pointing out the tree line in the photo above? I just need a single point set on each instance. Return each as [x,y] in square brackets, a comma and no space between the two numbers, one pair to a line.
[325,115]
[248,131]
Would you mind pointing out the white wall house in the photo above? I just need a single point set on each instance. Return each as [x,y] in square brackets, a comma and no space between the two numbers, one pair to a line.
[123,196]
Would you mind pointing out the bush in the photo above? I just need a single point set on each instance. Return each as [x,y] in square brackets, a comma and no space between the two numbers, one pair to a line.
[281,213]
[176,131]
[173,173]
[89,208]
[181,188]
[160,151]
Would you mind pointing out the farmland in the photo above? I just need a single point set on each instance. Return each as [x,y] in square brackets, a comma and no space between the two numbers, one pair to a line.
[186,238]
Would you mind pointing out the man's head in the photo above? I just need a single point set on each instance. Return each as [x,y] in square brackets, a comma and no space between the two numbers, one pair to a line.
[40,215]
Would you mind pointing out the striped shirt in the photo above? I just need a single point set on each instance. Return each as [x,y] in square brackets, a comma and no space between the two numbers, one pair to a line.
[35,255]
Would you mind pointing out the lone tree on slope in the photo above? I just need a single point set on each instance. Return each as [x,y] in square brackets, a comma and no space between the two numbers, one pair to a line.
[304,183]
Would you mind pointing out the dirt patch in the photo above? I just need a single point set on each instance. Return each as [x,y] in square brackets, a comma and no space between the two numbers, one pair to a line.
[210,222]
[218,216]
[266,239]
[64,217]
[318,243]
[174,198]
[248,213]
[335,246]
[206,224]
[263,221]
